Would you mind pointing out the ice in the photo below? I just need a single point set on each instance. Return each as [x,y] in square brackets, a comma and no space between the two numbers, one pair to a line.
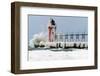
[44,55]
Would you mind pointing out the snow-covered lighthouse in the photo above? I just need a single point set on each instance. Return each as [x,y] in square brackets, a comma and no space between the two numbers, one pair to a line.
[51,31]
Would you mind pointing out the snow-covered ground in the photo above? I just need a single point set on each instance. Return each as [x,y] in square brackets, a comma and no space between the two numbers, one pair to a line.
[44,55]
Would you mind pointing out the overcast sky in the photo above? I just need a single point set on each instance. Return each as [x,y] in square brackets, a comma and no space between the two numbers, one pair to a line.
[64,24]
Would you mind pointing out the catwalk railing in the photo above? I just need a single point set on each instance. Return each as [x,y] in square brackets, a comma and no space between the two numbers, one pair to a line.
[71,37]
[69,41]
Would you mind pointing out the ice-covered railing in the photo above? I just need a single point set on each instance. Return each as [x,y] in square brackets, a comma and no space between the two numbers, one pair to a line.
[83,37]
[61,41]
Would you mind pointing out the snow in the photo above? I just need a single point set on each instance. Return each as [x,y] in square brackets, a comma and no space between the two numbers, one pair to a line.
[44,55]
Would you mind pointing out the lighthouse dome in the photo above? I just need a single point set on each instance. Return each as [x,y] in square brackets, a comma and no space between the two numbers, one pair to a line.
[52,22]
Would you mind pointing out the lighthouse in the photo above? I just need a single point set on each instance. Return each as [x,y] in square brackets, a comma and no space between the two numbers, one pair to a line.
[51,31]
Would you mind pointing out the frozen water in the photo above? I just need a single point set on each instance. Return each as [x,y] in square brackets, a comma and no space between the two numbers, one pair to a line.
[44,55]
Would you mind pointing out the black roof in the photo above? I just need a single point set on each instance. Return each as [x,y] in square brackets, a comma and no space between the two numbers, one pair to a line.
[53,22]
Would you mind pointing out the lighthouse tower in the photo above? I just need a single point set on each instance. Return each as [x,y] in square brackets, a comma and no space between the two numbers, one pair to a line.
[51,31]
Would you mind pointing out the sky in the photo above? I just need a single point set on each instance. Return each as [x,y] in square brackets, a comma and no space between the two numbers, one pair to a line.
[64,24]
